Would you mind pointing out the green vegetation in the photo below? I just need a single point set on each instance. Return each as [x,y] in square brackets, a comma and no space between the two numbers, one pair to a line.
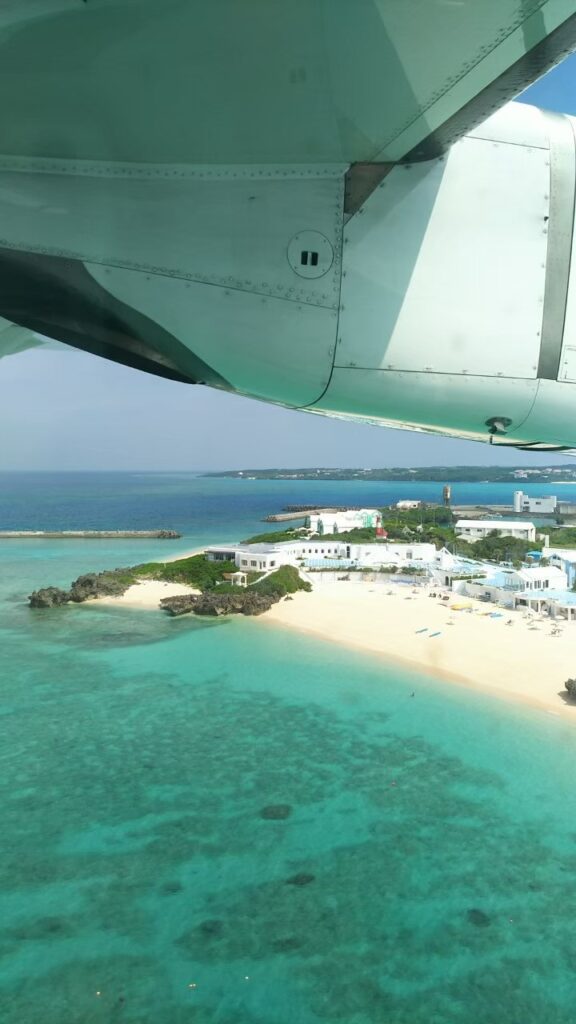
[198,572]
[496,548]
[123,577]
[195,572]
[286,580]
[430,524]
[436,515]
[560,537]
[361,535]
[276,536]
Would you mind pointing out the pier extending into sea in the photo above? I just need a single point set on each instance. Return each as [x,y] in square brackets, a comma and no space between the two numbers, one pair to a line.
[89,534]
[290,512]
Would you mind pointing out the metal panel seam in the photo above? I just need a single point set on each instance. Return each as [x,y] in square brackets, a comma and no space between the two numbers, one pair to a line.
[301,298]
[559,250]
[342,242]
[503,142]
[429,373]
[516,77]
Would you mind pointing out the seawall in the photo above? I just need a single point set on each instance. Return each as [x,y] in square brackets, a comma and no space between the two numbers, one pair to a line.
[89,534]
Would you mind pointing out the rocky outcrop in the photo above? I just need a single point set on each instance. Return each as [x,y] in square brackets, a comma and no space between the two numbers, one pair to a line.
[100,584]
[244,602]
[570,685]
[48,597]
[180,605]
[93,584]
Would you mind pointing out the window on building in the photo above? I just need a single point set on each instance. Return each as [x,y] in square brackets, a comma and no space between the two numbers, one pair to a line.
[254,564]
[272,563]
[244,561]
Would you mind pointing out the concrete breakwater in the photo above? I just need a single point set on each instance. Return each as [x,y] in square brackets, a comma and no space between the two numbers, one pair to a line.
[90,534]
[298,512]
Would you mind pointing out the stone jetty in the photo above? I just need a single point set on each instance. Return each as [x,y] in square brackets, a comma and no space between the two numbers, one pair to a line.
[90,534]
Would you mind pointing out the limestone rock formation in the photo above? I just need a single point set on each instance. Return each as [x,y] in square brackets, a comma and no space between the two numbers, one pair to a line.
[212,602]
[99,584]
[94,584]
[48,597]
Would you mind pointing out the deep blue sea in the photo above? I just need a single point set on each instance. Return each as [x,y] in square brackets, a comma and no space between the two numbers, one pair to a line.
[418,865]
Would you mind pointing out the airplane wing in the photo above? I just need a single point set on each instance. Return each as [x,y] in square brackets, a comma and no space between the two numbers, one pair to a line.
[265,81]
[291,199]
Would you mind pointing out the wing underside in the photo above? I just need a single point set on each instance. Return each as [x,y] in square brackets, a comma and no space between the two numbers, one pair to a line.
[179,186]
[248,81]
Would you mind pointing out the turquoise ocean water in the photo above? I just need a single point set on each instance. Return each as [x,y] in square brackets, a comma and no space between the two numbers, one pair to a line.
[226,822]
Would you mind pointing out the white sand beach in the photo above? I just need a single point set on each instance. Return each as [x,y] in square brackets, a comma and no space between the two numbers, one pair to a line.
[522,661]
[182,554]
[146,594]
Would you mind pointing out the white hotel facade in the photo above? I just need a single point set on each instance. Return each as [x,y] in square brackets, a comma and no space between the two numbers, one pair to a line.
[327,521]
[477,529]
[537,588]
[319,554]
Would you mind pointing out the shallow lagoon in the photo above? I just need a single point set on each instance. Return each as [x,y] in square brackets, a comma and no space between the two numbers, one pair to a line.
[420,869]
[226,822]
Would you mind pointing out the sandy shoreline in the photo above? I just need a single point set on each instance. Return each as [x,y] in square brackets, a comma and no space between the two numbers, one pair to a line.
[184,554]
[522,661]
[145,594]
[149,593]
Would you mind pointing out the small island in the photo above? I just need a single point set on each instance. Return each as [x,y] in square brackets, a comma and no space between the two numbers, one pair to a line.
[202,586]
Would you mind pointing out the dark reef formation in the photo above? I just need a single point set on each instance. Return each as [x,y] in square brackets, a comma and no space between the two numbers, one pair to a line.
[478,918]
[48,597]
[276,812]
[92,584]
[212,602]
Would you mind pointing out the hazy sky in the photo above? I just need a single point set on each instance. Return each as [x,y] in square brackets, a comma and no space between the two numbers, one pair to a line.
[66,410]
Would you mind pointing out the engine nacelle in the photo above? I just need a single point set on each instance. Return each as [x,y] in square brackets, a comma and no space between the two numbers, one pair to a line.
[458,309]
[446,301]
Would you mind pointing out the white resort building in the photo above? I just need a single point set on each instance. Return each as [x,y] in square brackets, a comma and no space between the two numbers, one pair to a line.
[319,554]
[513,587]
[476,529]
[524,503]
[538,588]
[329,521]
[565,559]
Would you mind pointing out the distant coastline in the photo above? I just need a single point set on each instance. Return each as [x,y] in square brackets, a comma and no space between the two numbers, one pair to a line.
[520,475]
